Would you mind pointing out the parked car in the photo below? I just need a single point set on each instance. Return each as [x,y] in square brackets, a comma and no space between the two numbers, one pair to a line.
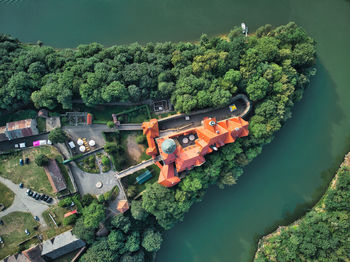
[28,191]
[49,142]
[36,218]
[46,198]
[1,222]
[21,185]
[22,145]
[27,232]
[37,196]
[1,241]
[42,197]
[49,200]
[21,162]
[16,145]
[34,195]
[27,160]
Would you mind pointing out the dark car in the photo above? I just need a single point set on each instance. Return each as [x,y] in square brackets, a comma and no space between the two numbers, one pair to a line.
[21,185]
[1,222]
[26,160]
[21,162]
[34,195]
[46,198]
[42,197]
[49,200]
[36,218]
[38,197]
[29,191]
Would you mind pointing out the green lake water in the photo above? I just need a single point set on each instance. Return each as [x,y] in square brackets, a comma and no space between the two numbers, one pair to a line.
[292,171]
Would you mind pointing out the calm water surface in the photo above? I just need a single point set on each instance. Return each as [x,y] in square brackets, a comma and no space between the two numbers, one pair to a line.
[291,171]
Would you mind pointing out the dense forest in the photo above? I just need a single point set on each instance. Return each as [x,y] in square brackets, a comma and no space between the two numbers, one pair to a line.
[323,234]
[272,66]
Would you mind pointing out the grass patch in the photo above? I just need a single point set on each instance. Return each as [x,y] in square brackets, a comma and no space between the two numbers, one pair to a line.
[31,175]
[131,180]
[12,231]
[41,124]
[57,213]
[89,164]
[6,196]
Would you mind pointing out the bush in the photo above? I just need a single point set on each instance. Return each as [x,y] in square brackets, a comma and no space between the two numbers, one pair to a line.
[110,124]
[131,191]
[140,139]
[101,199]
[41,160]
[87,200]
[105,161]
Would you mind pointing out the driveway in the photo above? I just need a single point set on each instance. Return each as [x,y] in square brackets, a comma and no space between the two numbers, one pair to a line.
[6,146]
[24,203]
[86,182]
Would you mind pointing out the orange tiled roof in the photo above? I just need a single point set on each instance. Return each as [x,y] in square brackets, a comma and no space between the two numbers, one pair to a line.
[210,136]
[167,176]
[123,206]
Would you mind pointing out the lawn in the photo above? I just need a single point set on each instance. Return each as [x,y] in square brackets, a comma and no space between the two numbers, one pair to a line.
[6,196]
[57,213]
[131,180]
[31,175]
[12,231]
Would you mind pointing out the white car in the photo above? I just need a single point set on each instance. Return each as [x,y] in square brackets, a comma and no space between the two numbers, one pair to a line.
[22,145]
[49,142]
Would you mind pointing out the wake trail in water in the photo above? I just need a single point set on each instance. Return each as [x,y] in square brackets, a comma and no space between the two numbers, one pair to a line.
[9,2]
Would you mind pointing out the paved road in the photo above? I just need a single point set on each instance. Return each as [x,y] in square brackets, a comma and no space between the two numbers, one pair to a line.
[10,145]
[24,203]
[196,117]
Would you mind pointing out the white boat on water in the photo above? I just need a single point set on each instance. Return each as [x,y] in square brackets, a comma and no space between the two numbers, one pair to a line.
[244,29]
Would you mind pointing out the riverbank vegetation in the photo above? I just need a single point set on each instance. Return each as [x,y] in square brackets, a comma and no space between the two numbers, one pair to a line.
[272,67]
[323,234]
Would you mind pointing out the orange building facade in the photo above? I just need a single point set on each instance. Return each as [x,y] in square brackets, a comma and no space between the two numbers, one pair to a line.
[186,149]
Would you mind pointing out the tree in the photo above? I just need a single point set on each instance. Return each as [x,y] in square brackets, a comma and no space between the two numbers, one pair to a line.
[132,243]
[99,252]
[93,215]
[257,89]
[83,232]
[41,160]
[152,240]
[70,220]
[57,135]
[137,211]
[122,223]
[115,91]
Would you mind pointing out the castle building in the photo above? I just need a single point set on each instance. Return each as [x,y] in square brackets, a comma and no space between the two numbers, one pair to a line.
[186,149]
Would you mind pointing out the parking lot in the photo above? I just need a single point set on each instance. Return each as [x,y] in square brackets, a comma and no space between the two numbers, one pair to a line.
[25,203]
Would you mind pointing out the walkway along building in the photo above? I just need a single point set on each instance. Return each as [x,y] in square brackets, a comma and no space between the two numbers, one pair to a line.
[186,149]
